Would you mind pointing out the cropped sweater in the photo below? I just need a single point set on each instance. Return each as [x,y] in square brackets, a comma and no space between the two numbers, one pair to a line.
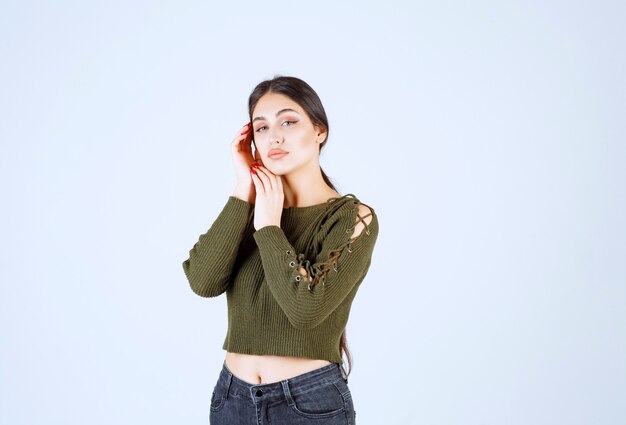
[289,288]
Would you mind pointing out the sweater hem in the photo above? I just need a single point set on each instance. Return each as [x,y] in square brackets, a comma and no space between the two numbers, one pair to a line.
[242,349]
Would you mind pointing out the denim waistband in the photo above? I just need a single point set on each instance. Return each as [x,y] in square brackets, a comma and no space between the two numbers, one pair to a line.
[232,385]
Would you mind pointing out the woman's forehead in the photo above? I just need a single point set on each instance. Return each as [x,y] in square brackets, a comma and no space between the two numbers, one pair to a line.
[272,103]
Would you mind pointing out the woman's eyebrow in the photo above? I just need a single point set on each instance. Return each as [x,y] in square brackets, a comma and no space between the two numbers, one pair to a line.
[277,113]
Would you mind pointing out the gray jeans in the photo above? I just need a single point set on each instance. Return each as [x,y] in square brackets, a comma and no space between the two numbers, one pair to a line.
[320,397]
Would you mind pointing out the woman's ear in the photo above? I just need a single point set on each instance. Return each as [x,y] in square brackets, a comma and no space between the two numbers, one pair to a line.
[321,134]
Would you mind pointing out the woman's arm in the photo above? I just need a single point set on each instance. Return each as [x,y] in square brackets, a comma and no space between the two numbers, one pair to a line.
[210,263]
[309,290]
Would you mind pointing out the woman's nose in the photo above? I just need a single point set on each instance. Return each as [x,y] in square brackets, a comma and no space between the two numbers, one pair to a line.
[275,136]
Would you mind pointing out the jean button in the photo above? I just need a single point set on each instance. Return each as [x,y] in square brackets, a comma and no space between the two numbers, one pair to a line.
[259,393]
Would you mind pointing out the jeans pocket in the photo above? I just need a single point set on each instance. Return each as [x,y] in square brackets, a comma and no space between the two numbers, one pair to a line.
[324,401]
[217,398]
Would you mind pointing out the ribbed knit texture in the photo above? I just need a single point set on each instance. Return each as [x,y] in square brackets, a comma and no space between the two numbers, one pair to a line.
[272,309]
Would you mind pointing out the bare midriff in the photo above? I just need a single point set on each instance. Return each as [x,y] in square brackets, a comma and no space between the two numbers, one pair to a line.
[266,369]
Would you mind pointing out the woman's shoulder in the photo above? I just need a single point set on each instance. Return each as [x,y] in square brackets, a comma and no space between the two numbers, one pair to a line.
[359,214]
[351,202]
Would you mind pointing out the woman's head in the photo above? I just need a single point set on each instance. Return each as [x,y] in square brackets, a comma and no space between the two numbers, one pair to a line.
[300,128]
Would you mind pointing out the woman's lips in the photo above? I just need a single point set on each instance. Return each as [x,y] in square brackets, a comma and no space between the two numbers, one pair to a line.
[278,155]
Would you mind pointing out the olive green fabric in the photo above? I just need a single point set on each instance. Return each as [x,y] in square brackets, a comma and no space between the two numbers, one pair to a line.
[289,288]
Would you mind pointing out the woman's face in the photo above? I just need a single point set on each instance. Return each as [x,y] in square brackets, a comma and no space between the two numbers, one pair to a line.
[280,123]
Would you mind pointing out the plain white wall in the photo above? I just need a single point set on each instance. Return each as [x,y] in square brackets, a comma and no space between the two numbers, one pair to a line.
[488,136]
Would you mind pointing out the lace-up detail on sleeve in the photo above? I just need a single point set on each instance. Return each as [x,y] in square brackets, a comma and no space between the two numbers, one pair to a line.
[310,285]
[316,273]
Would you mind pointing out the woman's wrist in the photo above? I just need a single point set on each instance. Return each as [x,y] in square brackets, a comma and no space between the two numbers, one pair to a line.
[243,194]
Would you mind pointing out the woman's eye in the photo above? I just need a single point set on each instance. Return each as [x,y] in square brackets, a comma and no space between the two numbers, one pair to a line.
[291,122]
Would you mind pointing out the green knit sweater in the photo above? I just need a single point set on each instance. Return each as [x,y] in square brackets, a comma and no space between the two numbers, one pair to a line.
[289,289]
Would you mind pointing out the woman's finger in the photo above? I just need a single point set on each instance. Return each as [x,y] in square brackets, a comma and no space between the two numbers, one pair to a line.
[258,185]
[271,177]
[241,138]
[262,175]
[263,179]
[245,129]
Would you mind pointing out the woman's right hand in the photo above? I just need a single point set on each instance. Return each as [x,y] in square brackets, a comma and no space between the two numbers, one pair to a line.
[241,152]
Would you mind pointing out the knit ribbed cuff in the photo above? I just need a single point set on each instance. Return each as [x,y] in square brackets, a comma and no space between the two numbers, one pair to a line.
[272,236]
[238,206]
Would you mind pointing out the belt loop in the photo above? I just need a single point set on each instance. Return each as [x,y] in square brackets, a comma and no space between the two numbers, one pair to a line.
[285,384]
[343,374]
[229,380]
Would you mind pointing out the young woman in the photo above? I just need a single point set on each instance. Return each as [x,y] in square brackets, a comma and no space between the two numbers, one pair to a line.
[290,252]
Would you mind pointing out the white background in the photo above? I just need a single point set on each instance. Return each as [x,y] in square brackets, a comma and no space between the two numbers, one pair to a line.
[488,136]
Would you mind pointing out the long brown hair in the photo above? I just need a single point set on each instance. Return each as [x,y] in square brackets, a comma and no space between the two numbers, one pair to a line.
[301,93]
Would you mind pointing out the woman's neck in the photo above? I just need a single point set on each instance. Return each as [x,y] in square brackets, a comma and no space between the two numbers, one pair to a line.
[302,189]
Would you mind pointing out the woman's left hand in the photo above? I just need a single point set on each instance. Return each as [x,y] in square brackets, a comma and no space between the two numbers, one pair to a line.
[268,207]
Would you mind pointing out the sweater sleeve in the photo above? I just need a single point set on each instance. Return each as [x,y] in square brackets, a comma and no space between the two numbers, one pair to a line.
[210,264]
[309,290]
